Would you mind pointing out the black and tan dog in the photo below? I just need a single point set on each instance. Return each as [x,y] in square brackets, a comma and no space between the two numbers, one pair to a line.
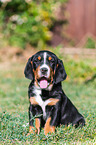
[48,103]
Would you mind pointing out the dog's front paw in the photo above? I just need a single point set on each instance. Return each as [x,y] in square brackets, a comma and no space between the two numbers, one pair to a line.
[36,129]
[31,130]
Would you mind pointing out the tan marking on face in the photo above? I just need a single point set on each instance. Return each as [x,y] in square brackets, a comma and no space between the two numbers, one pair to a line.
[33,101]
[53,101]
[31,62]
[36,82]
[50,58]
[48,128]
[39,58]
[57,65]
[37,125]
[51,74]
[32,65]
[54,72]
[36,73]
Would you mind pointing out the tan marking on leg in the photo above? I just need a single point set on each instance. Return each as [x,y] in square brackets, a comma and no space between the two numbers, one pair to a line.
[31,128]
[53,101]
[48,128]
[33,101]
[37,125]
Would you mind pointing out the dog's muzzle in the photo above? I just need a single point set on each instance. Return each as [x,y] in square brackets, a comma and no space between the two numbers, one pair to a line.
[43,83]
[44,77]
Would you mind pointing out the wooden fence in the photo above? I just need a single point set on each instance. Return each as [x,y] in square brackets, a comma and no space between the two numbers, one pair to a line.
[82,18]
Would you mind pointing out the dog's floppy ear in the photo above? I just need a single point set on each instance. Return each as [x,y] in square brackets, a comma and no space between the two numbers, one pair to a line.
[29,69]
[60,73]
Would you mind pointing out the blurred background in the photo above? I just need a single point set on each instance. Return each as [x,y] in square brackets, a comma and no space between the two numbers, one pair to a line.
[68,29]
[43,23]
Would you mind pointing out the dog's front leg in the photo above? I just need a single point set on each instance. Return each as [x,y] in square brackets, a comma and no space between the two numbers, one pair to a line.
[34,120]
[53,120]
[36,129]
[48,128]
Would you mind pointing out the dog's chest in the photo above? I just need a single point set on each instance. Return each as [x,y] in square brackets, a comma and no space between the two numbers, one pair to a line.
[41,102]
[46,101]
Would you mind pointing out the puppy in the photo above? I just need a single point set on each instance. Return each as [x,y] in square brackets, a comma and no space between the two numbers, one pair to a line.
[49,106]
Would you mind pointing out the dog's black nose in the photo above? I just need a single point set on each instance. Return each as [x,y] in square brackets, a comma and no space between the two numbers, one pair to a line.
[44,70]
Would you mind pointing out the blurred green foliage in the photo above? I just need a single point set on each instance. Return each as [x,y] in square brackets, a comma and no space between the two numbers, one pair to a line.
[27,21]
[91,43]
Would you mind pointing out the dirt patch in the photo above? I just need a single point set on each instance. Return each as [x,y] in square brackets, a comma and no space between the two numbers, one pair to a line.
[14,54]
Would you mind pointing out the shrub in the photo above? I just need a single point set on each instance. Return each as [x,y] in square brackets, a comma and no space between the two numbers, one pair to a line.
[26,21]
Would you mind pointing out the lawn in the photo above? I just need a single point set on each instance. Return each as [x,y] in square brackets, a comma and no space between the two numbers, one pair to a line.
[14,105]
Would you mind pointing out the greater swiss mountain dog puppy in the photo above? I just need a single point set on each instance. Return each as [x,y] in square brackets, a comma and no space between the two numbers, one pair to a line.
[49,106]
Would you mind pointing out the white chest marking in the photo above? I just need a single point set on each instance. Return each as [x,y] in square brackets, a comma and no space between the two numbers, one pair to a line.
[41,102]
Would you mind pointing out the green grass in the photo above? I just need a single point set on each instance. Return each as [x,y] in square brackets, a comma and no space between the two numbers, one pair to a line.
[14,106]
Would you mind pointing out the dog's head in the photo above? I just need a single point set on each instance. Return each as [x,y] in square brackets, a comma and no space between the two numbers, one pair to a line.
[45,69]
